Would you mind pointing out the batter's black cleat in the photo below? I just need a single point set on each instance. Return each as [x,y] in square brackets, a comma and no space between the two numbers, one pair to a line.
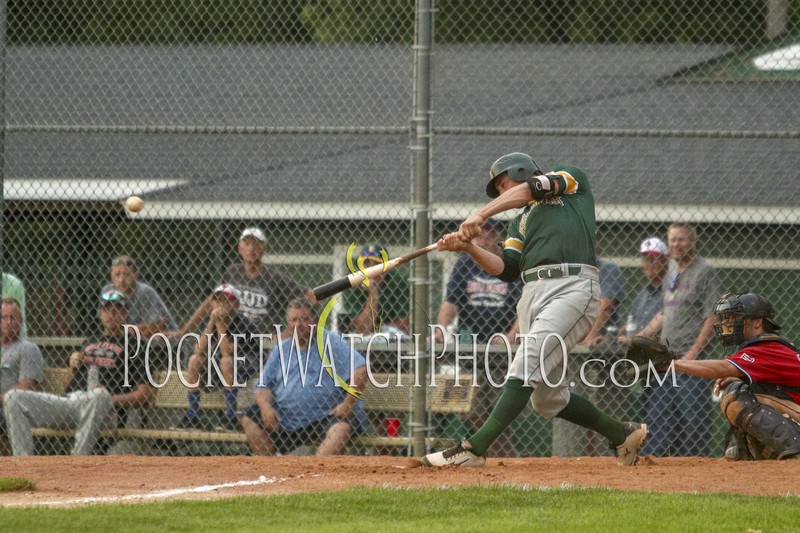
[459,455]
[635,437]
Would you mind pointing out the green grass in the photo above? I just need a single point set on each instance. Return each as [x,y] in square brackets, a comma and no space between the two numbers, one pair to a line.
[479,509]
[8,484]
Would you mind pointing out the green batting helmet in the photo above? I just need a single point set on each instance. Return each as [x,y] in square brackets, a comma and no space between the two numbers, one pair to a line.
[519,167]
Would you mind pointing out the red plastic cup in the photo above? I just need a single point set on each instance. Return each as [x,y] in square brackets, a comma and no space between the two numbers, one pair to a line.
[392,427]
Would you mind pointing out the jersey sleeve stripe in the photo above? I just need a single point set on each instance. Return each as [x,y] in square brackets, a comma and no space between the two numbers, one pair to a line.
[572,183]
[749,377]
[513,244]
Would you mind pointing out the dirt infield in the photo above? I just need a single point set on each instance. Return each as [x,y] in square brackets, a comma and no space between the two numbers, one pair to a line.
[64,480]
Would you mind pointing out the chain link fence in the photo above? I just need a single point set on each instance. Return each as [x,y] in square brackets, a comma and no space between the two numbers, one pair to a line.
[276,146]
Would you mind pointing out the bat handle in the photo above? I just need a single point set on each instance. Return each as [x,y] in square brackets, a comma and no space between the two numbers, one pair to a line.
[329,289]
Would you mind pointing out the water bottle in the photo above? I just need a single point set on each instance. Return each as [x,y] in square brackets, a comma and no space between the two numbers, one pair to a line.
[92,378]
[611,334]
[630,327]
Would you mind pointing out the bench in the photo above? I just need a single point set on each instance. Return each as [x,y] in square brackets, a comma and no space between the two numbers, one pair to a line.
[446,398]
[171,399]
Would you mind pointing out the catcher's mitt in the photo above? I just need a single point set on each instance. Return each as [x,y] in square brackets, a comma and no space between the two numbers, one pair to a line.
[643,350]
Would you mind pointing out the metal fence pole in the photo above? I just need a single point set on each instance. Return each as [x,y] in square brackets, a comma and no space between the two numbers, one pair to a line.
[3,40]
[420,148]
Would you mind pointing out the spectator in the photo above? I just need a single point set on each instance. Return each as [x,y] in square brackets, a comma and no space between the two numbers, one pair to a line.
[146,309]
[229,340]
[648,303]
[21,365]
[13,288]
[97,397]
[680,413]
[484,305]
[297,407]
[612,294]
[382,303]
[760,380]
[263,291]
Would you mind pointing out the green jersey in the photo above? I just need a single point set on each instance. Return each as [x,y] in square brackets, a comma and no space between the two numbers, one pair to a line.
[556,230]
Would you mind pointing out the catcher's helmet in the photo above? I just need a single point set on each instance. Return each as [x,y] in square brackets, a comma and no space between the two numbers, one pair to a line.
[519,167]
[739,307]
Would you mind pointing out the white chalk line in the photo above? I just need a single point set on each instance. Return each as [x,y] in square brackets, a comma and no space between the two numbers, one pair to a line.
[262,480]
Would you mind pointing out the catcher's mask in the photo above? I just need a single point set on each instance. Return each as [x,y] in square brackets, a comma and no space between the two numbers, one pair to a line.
[519,167]
[738,307]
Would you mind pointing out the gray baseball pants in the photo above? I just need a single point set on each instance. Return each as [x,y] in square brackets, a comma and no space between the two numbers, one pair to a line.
[86,412]
[552,311]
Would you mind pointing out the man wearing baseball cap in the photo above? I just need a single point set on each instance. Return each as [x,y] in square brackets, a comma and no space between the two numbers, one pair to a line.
[263,291]
[647,304]
[681,412]
[228,337]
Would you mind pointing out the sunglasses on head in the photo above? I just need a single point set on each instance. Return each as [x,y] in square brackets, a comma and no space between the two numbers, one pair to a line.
[124,261]
[113,297]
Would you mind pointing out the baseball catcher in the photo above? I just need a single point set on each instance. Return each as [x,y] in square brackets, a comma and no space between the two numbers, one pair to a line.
[759,381]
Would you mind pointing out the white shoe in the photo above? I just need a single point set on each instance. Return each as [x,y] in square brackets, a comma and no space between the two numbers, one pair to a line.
[635,437]
[459,455]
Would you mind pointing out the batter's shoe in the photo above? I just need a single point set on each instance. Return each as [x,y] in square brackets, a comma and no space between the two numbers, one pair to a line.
[459,455]
[635,437]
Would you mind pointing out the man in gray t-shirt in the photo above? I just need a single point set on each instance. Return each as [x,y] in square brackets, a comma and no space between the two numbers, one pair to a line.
[146,309]
[21,362]
[680,415]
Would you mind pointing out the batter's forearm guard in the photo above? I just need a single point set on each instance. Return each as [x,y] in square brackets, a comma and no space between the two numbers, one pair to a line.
[544,186]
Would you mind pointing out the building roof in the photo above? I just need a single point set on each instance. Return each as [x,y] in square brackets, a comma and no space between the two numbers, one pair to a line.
[620,113]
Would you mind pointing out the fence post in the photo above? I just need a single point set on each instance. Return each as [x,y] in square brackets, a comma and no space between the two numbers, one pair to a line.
[420,152]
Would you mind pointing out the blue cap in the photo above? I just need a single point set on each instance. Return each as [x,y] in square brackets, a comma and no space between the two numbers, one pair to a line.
[373,251]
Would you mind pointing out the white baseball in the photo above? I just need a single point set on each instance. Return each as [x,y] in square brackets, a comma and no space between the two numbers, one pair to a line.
[134,204]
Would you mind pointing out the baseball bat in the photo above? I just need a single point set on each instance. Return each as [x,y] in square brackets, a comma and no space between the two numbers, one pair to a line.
[358,277]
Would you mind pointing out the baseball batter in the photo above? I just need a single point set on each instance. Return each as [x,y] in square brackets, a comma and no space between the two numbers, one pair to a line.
[550,245]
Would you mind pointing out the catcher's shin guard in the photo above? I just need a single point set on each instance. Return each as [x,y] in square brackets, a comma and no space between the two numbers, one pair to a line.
[762,423]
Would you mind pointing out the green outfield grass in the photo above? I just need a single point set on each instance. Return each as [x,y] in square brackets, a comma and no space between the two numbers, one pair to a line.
[479,509]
